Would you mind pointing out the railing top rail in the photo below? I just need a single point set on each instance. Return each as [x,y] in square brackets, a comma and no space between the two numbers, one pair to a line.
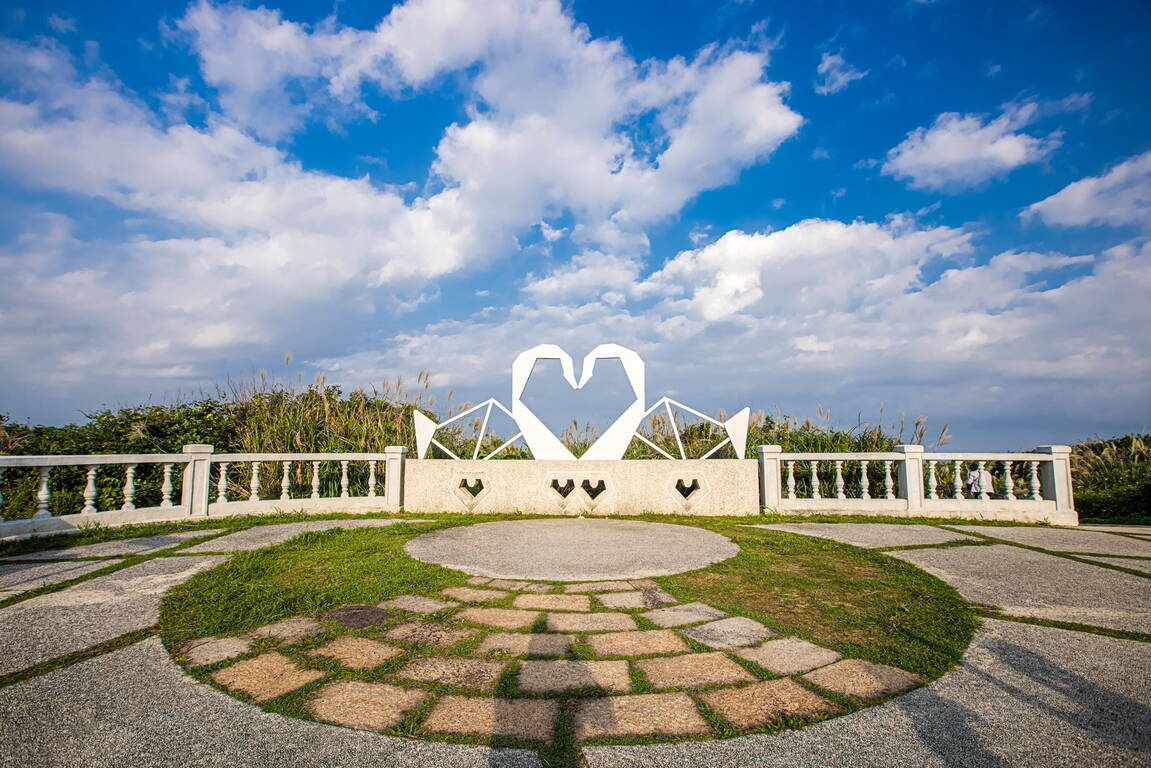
[89,460]
[988,456]
[244,457]
[842,456]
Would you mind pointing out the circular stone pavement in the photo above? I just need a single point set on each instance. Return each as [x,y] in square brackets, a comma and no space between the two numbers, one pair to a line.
[583,549]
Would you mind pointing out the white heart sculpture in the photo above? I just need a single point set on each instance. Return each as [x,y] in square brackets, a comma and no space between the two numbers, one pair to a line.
[541,441]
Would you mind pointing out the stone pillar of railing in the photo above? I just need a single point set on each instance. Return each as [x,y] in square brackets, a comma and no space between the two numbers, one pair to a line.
[770,478]
[395,457]
[194,490]
[910,475]
[1055,478]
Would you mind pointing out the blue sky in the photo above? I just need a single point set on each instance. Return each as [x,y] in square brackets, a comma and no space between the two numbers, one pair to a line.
[941,208]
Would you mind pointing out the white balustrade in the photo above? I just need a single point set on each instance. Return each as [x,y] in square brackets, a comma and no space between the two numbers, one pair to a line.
[43,495]
[1008,482]
[791,479]
[89,491]
[815,480]
[931,480]
[222,484]
[129,487]
[166,487]
[315,479]
[864,485]
[344,479]
[254,485]
[888,486]
[1033,481]
[839,494]
[958,484]
[285,481]
[371,479]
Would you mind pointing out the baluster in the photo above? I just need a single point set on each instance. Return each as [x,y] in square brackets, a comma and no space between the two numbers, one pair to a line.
[815,494]
[791,479]
[343,479]
[315,479]
[1008,482]
[89,492]
[1,496]
[931,481]
[254,485]
[166,487]
[1033,481]
[285,480]
[43,495]
[839,494]
[222,484]
[371,479]
[888,486]
[129,487]
[864,485]
[958,484]
[983,495]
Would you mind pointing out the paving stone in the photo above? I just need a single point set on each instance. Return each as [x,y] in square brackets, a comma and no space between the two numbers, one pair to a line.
[209,650]
[729,633]
[138,546]
[862,679]
[265,677]
[643,584]
[527,644]
[356,652]
[668,714]
[268,535]
[637,643]
[478,580]
[1065,539]
[368,706]
[696,670]
[528,719]
[789,656]
[511,586]
[290,630]
[418,604]
[589,622]
[470,595]
[551,676]
[357,616]
[455,671]
[1143,566]
[871,535]
[679,615]
[553,602]
[761,703]
[428,633]
[21,577]
[640,598]
[539,589]
[505,618]
[599,586]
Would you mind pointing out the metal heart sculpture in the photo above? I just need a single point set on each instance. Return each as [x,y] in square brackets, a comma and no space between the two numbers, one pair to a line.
[541,441]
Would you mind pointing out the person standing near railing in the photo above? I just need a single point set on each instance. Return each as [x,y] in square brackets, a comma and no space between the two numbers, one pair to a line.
[979,481]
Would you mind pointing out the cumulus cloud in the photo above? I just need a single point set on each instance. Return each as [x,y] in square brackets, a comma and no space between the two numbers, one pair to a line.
[1118,197]
[836,74]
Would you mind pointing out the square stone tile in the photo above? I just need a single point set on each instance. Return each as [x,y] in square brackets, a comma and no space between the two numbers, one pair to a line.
[355,652]
[454,671]
[368,706]
[265,677]
[527,644]
[550,676]
[640,598]
[529,719]
[789,656]
[637,643]
[668,714]
[505,618]
[679,615]
[599,586]
[357,616]
[417,604]
[209,650]
[478,581]
[553,602]
[761,703]
[863,679]
[696,670]
[589,622]
[471,595]
[729,633]
[428,633]
[290,630]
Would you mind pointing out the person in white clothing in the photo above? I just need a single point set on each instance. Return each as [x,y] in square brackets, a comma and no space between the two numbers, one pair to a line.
[979,481]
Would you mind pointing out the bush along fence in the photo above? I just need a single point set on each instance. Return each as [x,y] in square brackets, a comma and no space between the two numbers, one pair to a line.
[198,483]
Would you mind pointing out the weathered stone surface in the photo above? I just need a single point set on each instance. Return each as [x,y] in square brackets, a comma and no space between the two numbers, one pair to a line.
[679,615]
[454,671]
[526,644]
[356,652]
[529,719]
[789,656]
[640,598]
[1143,566]
[1065,539]
[417,604]
[599,586]
[506,618]
[637,643]
[267,535]
[863,679]
[669,714]
[644,584]
[589,622]
[470,595]
[478,580]
[696,670]
[871,535]
[21,577]
[209,650]
[357,616]
[553,602]
[760,703]
[139,546]
[368,706]
[550,676]
[428,633]
[729,633]
[511,586]
[290,630]
[265,677]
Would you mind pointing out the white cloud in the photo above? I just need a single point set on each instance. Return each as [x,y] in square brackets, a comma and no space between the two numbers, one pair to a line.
[1120,196]
[836,74]
[62,24]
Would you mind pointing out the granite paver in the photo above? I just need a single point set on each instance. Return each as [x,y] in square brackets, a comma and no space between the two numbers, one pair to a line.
[472,595]
[638,643]
[695,670]
[265,676]
[370,706]
[428,633]
[139,546]
[509,584]
[761,703]
[669,714]
[355,652]
[528,719]
[478,581]
[599,586]
[729,633]
[454,671]
[290,630]
[871,535]
[552,676]
[640,598]
[681,615]
[1134,564]
[504,618]
[268,535]
[16,578]
[1065,540]
[863,679]
[527,644]
[357,616]
[553,602]
[590,622]
[209,650]
[417,604]
[789,656]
